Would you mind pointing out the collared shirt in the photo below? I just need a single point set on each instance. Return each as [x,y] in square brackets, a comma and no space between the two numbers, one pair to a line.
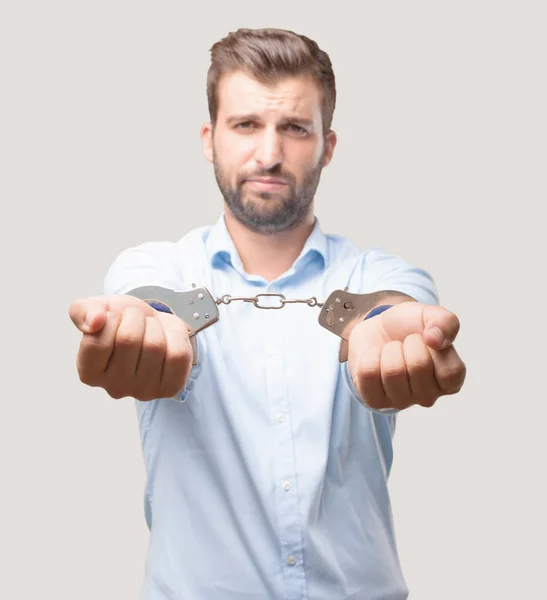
[267,479]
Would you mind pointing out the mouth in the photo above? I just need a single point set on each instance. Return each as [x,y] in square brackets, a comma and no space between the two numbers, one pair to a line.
[266,183]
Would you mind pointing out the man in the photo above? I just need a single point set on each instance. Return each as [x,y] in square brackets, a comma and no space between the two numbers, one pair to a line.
[267,461]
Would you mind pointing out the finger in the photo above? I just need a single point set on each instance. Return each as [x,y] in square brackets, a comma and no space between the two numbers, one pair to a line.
[149,369]
[395,376]
[368,380]
[127,348]
[96,350]
[421,371]
[450,370]
[89,314]
[178,355]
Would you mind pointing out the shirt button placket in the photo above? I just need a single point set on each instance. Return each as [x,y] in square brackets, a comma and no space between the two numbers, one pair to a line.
[286,496]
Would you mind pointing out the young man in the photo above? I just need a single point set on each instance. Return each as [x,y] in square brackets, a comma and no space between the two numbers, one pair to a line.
[267,461]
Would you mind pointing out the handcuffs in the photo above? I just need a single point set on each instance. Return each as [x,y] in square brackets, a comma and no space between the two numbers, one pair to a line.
[339,314]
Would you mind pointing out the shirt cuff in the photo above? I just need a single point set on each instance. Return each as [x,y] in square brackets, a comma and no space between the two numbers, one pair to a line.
[357,396]
[194,374]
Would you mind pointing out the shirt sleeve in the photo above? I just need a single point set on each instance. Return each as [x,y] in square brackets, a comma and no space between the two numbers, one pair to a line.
[152,263]
[378,272]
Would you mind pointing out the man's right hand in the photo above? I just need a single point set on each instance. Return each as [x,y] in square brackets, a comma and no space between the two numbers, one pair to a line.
[130,349]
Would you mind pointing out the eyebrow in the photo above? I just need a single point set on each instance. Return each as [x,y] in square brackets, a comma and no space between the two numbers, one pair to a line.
[252,117]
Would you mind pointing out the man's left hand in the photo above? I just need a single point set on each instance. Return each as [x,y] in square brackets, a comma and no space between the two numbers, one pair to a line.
[405,356]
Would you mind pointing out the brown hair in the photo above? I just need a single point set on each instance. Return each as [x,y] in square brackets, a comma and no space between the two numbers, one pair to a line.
[268,55]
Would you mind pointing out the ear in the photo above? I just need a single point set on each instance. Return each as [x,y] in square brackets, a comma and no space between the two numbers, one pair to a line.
[207,141]
[330,144]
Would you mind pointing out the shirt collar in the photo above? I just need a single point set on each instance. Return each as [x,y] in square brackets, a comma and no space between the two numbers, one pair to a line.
[220,247]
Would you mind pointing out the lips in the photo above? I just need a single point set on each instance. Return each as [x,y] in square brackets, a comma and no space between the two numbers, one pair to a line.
[267,180]
[267,184]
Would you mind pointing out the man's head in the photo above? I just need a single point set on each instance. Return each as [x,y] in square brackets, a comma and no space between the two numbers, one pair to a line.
[271,97]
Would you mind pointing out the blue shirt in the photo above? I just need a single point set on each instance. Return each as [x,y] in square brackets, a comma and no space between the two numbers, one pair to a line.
[267,479]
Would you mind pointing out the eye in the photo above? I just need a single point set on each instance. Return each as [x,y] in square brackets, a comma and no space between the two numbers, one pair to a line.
[245,125]
[294,128]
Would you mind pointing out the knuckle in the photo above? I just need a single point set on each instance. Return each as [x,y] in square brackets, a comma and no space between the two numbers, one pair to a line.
[367,375]
[368,393]
[86,373]
[86,378]
[148,385]
[127,339]
[90,345]
[154,346]
[171,388]
[171,322]
[420,365]
[179,357]
[393,371]
[118,387]
[453,388]
[175,382]
[374,401]
[116,393]
[451,379]
[427,401]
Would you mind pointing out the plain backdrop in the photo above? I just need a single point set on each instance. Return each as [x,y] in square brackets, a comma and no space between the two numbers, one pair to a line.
[441,159]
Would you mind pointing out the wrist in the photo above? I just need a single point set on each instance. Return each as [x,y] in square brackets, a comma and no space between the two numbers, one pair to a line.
[377,310]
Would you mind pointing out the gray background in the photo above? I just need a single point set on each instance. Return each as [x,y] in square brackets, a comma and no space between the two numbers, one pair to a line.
[441,159]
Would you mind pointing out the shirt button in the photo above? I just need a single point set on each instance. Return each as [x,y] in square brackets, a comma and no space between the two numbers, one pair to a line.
[291,559]
[286,485]
[280,418]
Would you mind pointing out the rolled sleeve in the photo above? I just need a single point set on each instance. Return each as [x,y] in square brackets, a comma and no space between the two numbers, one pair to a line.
[382,272]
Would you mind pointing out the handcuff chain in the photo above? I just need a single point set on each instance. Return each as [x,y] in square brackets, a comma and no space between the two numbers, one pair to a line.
[255,300]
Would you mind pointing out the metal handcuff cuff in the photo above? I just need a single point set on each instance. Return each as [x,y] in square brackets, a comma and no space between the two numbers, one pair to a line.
[340,312]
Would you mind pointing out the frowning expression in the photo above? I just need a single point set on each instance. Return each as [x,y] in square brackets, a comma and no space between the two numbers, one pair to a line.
[268,149]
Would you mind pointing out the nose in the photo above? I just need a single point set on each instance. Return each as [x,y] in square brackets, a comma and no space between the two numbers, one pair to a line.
[269,150]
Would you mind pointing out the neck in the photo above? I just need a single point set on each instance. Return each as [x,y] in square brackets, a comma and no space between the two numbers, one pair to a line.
[268,255]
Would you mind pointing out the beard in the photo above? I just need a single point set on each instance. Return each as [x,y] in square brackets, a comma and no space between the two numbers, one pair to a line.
[265,211]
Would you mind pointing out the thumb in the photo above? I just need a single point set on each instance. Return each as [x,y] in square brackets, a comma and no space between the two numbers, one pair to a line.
[437,325]
[440,327]
[89,314]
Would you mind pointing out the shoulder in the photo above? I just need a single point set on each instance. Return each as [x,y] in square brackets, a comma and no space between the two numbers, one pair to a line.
[374,270]
[164,250]
[155,263]
[374,258]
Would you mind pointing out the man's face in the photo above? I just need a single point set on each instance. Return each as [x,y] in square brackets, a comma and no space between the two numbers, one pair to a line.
[268,149]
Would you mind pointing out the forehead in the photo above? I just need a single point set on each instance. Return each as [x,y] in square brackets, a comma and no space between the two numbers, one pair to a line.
[240,93]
